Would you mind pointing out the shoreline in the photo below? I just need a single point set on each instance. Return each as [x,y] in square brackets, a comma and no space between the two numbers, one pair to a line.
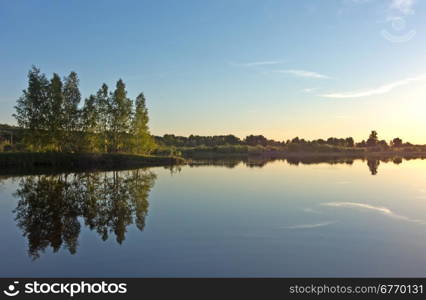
[11,162]
[53,162]
[306,154]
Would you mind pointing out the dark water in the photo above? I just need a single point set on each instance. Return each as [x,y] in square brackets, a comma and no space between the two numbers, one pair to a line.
[258,218]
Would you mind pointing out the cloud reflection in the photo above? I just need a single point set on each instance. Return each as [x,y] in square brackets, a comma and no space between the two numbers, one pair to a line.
[307,226]
[382,210]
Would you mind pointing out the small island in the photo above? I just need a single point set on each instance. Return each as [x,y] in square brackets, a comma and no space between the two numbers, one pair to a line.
[109,130]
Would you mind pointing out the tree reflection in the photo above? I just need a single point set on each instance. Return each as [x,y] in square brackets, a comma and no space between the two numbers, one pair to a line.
[397,160]
[260,162]
[373,165]
[50,207]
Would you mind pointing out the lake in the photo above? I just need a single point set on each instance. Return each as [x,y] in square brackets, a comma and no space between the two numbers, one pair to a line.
[284,218]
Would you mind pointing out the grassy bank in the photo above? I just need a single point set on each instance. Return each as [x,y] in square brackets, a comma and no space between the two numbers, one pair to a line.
[298,151]
[31,160]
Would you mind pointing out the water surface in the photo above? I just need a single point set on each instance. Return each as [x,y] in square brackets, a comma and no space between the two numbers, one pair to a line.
[280,218]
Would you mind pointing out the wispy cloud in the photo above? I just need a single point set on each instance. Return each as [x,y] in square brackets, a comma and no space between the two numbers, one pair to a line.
[259,63]
[311,210]
[308,226]
[310,90]
[382,210]
[303,74]
[386,88]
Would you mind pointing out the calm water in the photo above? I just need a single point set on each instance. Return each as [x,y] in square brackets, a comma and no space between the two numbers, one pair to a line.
[267,219]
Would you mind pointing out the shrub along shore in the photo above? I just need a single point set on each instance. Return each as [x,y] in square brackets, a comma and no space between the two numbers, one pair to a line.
[32,160]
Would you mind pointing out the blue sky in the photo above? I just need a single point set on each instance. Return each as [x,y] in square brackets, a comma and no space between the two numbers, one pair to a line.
[309,68]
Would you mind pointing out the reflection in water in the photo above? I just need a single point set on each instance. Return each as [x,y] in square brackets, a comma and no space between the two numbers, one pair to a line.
[260,161]
[397,160]
[230,162]
[50,206]
[282,220]
[316,160]
[310,226]
[382,210]
[373,164]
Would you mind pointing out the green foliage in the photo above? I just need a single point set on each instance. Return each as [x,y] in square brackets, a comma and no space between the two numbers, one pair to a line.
[32,110]
[103,121]
[196,140]
[121,116]
[372,139]
[396,142]
[55,119]
[89,123]
[142,140]
[254,140]
[71,113]
[195,145]
[108,122]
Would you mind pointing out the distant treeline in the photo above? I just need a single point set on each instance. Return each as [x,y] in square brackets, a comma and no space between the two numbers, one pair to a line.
[372,142]
[53,120]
